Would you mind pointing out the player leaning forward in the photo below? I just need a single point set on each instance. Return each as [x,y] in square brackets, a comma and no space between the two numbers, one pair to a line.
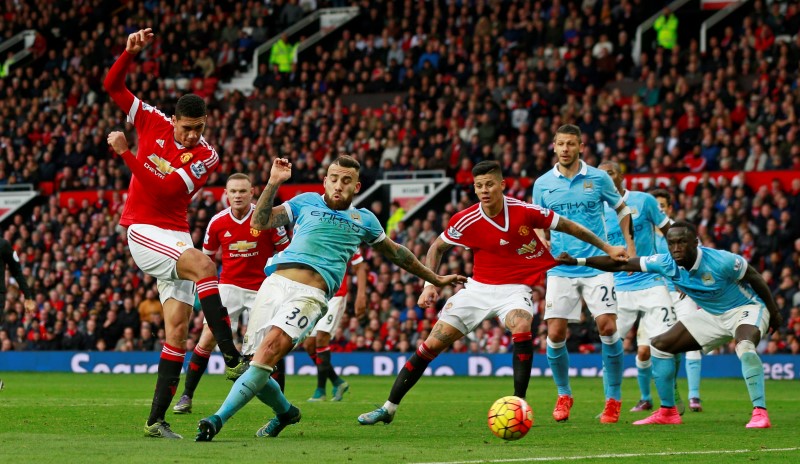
[735,300]
[173,161]
[302,278]
[508,259]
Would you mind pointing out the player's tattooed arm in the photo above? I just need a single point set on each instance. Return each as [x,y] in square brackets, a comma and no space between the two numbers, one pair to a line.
[404,258]
[266,216]
[435,253]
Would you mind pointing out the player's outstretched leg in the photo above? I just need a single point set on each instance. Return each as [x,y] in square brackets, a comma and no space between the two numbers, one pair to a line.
[558,359]
[612,369]
[244,390]
[197,366]
[285,413]
[753,373]
[406,379]
[664,376]
[694,360]
[169,371]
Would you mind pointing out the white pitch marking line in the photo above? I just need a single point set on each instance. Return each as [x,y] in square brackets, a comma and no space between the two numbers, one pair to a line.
[613,456]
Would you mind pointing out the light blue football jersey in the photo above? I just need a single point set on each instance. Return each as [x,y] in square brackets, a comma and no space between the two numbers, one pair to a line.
[326,239]
[714,282]
[663,249]
[646,218]
[579,199]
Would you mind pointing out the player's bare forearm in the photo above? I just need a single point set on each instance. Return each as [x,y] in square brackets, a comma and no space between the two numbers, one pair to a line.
[580,232]
[404,258]
[435,253]
[266,216]
[761,288]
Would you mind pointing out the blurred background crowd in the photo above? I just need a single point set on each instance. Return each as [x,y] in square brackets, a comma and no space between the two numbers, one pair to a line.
[458,82]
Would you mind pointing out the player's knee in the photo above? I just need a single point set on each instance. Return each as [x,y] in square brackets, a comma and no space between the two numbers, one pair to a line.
[196,265]
[643,353]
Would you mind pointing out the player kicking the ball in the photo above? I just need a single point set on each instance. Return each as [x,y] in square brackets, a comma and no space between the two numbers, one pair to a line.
[508,258]
[172,163]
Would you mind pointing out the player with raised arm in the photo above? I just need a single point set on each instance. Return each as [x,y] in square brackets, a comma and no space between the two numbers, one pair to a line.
[172,163]
[735,302]
[639,294]
[508,259]
[244,252]
[577,191]
[301,279]
[318,343]
[683,304]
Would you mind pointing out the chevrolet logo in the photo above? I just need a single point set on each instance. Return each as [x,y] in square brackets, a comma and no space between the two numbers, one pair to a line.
[242,246]
[161,164]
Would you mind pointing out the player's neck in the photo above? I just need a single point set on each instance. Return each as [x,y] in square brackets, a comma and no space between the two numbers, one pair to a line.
[570,171]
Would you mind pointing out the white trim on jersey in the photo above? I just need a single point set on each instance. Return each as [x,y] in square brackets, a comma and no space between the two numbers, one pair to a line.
[186,179]
[380,238]
[491,221]
[288,212]
[246,216]
[133,109]
[467,220]
[554,221]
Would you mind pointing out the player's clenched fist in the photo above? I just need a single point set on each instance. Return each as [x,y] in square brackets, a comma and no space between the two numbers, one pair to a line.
[118,142]
[281,171]
[138,40]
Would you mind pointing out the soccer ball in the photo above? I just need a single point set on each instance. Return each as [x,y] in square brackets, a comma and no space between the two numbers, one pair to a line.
[510,418]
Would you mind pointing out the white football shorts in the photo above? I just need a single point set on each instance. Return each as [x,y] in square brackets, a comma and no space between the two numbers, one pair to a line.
[563,297]
[156,251]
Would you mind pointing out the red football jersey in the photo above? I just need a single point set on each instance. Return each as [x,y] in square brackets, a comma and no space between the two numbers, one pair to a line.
[163,156]
[506,249]
[245,250]
[357,258]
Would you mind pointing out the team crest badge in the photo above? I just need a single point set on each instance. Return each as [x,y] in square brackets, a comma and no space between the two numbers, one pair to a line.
[186,157]
[180,244]
[707,279]
[255,232]
[588,186]
[448,306]
[524,230]
[355,215]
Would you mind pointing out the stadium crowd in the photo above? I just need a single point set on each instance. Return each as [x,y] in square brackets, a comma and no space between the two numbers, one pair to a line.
[459,84]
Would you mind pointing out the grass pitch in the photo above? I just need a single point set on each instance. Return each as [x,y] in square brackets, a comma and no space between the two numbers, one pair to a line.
[99,418]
